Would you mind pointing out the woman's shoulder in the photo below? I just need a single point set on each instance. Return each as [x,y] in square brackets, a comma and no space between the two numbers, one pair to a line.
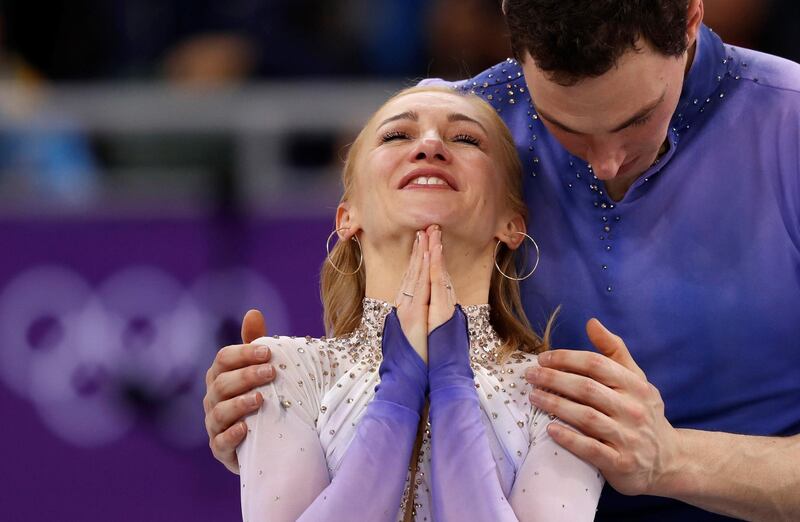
[308,347]
[318,359]
[291,347]
[514,360]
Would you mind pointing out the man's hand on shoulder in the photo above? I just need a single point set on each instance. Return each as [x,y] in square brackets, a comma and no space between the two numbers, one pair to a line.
[617,415]
[237,369]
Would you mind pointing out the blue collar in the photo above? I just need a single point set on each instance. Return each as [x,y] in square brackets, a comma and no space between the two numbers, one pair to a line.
[710,67]
[701,91]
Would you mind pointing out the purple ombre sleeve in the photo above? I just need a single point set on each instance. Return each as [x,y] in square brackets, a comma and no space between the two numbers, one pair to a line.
[370,480]
[465,482]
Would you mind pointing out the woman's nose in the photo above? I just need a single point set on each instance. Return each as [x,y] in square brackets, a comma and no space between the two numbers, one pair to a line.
[431,148]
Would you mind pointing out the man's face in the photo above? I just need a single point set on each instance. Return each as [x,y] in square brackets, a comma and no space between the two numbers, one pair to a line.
[616,122]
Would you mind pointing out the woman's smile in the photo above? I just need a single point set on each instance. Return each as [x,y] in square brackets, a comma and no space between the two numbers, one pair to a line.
[428,178]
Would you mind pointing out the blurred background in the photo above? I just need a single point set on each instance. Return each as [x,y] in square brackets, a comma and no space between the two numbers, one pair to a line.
[166,165]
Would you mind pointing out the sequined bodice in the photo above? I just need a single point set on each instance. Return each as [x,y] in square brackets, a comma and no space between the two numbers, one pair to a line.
[363,348]
[365,342]
[312,412]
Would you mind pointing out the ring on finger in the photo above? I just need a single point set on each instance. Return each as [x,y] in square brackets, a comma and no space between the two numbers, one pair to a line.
[408,295]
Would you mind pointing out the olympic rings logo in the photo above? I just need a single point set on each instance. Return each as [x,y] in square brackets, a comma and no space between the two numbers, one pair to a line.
[95,361]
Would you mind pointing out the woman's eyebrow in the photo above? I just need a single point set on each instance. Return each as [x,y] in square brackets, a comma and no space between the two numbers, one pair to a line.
[413,116]
[408,115]
[457,116]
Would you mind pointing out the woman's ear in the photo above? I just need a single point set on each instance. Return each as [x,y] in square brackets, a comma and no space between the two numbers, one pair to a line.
[346,221]
[512,232]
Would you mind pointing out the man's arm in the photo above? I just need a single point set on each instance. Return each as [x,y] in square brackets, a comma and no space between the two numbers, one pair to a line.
[236,372]
[623,431]
[752,478]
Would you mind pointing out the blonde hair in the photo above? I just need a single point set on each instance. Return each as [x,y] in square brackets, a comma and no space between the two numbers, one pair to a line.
[342,295]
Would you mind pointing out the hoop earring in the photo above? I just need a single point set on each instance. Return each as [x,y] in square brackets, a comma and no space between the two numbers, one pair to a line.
[535,266]
[328,250]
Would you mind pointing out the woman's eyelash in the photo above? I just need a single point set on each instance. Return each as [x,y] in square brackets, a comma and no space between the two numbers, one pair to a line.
[466,138]
[396,135]
[393,135]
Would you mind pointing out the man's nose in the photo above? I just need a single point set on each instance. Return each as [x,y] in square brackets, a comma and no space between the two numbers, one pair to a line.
[605,159]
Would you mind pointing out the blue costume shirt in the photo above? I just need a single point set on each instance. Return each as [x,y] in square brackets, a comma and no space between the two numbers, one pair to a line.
[697,268]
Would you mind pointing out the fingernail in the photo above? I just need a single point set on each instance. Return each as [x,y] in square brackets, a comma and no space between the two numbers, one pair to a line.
[441,247]
[530,374]
[535,396]
[252,400]
[265,371]
[544,358]
[417,236]
[261,352]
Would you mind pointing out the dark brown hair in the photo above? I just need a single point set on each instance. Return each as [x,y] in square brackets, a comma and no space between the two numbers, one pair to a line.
[576,39]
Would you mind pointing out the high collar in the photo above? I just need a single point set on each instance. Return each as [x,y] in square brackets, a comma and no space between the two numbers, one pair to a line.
[703,89]
[711,66]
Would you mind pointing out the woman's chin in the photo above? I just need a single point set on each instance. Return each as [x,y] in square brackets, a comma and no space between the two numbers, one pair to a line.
[420,218]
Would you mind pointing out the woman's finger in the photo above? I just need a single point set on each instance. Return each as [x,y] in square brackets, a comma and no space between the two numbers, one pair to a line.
[405,294]
[438,290]
[423,291]
[421,269]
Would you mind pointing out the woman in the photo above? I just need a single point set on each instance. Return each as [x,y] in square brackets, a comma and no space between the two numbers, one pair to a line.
[434,173]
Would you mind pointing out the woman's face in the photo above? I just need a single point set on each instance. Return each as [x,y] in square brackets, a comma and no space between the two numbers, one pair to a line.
[430,158]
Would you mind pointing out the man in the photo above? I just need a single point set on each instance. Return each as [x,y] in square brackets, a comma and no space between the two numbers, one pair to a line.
[663,178]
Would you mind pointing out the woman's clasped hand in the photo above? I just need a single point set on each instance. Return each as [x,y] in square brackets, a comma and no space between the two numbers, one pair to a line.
[426,298]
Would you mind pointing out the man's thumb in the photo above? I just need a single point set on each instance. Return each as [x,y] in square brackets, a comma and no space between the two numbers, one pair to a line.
[606,342]
[253,326]
[612,346]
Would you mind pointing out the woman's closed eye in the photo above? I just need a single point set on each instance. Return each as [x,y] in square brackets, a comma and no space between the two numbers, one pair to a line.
[402,135]
[394,135]
[466,138]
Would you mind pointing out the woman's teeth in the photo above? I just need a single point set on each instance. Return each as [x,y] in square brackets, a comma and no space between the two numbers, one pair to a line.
[422,180]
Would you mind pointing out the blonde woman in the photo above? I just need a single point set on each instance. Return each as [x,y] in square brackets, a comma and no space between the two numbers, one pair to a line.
[417,406]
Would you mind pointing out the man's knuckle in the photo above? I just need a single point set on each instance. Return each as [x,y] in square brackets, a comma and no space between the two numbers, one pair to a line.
[223,355]
[593,450]
[622,464]
[588,388]
[234,434]
[251,377]
[637,414]
[596,362]
[217,388]
[590,416]
[213,443]
[218,414]
[640,386]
